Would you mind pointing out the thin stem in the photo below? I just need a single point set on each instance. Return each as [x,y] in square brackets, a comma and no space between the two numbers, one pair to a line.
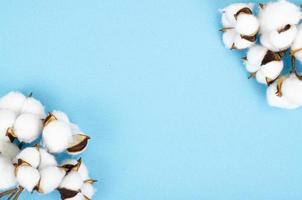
[2,194]
[12,195]
[293,63]
[18,193]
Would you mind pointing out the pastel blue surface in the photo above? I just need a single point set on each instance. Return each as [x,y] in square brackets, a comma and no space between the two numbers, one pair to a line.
[170,110]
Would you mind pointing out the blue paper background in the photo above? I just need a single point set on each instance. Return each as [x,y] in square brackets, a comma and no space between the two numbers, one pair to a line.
[170,110]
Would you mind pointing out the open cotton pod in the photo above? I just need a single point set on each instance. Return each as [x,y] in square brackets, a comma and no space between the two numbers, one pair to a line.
[60,135]
[7,176]
[76,165]
[8,149]
[51,177]
[71,185]
[278,22]
[286,92]
[27,127]
[240,26]
[263,64]
[27,176]
[88,190]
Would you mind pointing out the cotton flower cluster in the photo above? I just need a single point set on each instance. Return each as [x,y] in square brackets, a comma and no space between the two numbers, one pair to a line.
[270,34]
[34,168]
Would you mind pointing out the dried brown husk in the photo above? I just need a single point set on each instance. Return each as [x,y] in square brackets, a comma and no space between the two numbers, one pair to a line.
[66,193]
[80,142]
[50,117]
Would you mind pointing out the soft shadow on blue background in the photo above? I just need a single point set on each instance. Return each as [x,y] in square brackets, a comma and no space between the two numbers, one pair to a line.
[171,112]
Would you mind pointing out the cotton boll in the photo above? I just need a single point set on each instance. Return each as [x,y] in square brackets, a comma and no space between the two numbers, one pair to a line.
[291,89]
[33,106]
[228,13]
[272,69]
[278,14]
[46,159]
[254,58]
[88,190]
[276,101]
[28,127]
[61,116]
[79,196]
[72,181]
[51,178]
[30,155]
[7,177]
[8,149]
[57,135]
[7,119]
[284,39]
[247,24]
[12,101]
[27,177]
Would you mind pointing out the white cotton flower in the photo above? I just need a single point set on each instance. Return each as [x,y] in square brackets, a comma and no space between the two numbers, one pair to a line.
[46,159]
[51,177]
[229,12]
[28,127]
[240,26]
[7,119]
[276,15]
[278,101]
[7,176]
[57,136]
[247,24]
[30,155]
[72,181]
[12,101]
[265,64]
[292,89]
[8,149]
[88,190]
[279,41]
[27,177]
[33,106]
[296,48]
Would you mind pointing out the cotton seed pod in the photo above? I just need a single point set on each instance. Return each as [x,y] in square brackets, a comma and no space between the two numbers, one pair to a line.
[27,176]
[278,14]
[79,144]
[46,159]
[12,101]
[7,119]
[57,136]
[61,116]
[264,64]
[279,40]
[88,190]
[296,48]
[51,177]
[27,127]
[33,106]
[291,89]
[7,176]
[8,150]
[78,196]
[275,99]
[76,165]
[71,185]
[230,13]
[30,155]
